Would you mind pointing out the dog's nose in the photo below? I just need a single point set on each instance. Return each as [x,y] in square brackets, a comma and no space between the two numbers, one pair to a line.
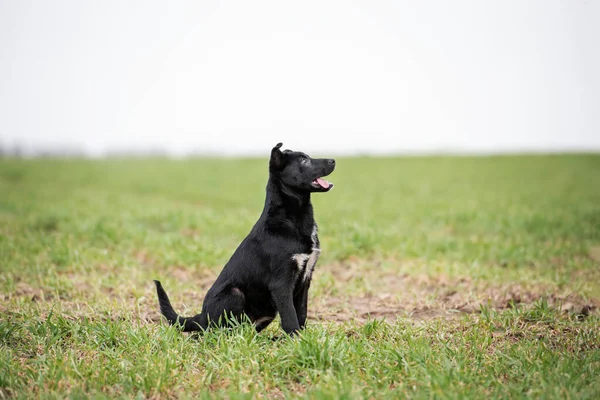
[331,162]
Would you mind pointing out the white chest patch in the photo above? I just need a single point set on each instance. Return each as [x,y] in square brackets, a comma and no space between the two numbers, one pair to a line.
[306,262]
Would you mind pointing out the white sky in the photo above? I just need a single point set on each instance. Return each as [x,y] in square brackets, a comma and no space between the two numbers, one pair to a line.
[324,76]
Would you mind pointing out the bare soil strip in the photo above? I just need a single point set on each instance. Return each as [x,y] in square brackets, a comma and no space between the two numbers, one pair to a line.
[356,293]
[390,295]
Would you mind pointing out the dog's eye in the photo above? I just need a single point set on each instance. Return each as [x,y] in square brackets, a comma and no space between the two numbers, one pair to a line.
[304,159]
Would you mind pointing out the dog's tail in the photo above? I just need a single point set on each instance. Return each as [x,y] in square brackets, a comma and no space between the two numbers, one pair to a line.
[196,323]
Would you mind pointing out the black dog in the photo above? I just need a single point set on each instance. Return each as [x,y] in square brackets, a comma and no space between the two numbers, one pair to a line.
[272,268]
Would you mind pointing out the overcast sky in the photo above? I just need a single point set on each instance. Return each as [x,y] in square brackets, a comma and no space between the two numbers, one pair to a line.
[321,76]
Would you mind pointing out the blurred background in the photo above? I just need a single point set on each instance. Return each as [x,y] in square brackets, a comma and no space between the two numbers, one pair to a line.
[337,77]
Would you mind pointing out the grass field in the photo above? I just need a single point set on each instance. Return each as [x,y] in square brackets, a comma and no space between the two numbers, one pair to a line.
[440,277]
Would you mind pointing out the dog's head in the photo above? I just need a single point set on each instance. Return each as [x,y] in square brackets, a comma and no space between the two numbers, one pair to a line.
[299,171]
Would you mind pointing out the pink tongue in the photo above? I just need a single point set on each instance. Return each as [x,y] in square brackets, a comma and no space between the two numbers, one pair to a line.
[324,184]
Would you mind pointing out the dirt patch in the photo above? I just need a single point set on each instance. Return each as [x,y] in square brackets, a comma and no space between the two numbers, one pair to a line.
[430,304]
[347,291]
[390,295]
[594,253]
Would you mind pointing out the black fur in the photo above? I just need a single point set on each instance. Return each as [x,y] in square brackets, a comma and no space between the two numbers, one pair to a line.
[271,270]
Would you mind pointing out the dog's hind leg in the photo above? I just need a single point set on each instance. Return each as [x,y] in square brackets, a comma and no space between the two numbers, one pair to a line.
[226,308]
[262,322]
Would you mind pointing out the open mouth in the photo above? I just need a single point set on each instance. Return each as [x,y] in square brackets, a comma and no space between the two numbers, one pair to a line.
[321,183]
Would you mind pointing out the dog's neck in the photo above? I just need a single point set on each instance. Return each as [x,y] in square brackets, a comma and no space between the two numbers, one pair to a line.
[288,204]
[280,195]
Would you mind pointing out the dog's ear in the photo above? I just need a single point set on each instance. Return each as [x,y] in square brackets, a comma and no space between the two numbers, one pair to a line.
[276,161]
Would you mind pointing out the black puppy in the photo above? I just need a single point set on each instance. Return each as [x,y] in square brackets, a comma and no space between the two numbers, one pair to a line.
[272,268]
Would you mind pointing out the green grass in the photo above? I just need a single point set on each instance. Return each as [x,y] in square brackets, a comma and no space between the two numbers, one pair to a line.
[443,277]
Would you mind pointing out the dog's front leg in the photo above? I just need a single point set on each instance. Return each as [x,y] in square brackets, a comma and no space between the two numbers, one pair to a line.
[284,301]
[301,305]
